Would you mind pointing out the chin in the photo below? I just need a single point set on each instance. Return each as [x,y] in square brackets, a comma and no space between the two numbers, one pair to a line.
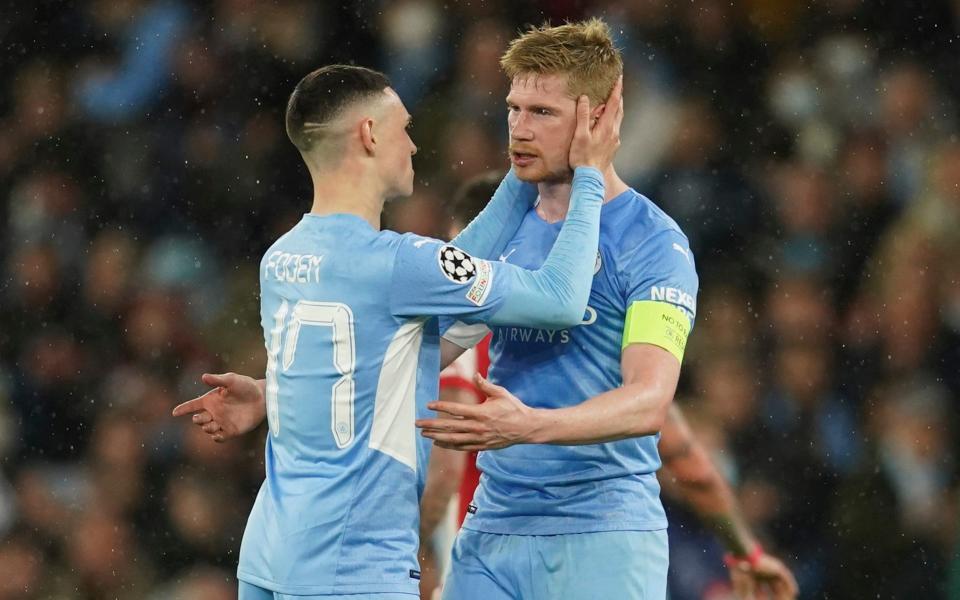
[529,175]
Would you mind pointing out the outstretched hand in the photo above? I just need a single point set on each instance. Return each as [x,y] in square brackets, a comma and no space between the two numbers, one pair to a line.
[235,406]
[501,421]
[768,578]
[594,145]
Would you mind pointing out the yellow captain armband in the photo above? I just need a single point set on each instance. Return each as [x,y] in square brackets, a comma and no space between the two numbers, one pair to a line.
[658,323]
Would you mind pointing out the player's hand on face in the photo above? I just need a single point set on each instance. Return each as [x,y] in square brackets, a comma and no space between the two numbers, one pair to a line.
[503,420]
[770,578]
[235,406]
[595,143]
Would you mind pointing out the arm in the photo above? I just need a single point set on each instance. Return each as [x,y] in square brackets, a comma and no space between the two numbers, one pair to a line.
[488,234]
[444,473]
[430,278]
[634,409]
[556,294]
[637,408]
[695,480]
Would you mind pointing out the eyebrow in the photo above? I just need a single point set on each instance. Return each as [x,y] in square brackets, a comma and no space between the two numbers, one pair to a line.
[548,107]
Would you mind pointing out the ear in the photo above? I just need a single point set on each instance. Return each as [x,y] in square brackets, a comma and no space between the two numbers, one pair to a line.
[367,138]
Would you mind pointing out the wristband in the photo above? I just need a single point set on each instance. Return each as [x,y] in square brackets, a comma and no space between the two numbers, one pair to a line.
[732,561]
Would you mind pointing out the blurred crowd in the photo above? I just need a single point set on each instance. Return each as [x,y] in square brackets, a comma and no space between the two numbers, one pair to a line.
[808,149]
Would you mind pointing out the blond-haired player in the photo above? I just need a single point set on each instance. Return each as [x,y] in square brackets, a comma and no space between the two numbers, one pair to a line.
[568,505]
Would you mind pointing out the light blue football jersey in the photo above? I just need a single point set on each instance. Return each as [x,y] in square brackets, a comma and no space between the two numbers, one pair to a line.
[546,489]
[347,350]
[350,323]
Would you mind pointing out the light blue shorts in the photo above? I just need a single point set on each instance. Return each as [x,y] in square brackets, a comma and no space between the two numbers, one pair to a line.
[248,591]
[626,565]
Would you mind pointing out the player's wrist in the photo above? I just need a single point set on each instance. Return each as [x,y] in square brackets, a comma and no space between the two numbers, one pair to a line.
[538,430]
[750,560]
[588,170]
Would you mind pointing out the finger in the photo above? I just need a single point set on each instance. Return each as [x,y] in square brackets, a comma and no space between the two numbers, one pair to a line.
[211,427]
[450,425]
[615,103]
[202,417]
[583,116]
[458,447]
[789,583]
[462,447]
[218,379]
[742,585]
[457,438]
[456,409]
[780,590]
[191,406]
[618,116]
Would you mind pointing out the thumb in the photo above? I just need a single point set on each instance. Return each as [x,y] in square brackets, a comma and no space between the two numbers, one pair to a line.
[488,389]
[217,380]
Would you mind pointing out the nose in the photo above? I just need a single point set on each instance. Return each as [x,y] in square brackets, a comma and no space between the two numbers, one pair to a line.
[519,127]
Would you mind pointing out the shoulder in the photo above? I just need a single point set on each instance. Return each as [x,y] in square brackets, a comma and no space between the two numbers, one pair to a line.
[641,229]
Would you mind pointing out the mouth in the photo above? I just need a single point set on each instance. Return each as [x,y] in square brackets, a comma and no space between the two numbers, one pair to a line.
[522,159]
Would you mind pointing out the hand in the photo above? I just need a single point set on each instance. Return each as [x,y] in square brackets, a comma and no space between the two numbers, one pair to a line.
[595,146]
[501,421]
[235,406]
[769,574]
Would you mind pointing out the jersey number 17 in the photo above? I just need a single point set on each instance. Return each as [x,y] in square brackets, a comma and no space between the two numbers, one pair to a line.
[284,335]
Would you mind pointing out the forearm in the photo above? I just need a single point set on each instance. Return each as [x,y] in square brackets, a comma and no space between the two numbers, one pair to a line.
[443,480]
[699,485]
[490,232]
[632,410]
[555,295]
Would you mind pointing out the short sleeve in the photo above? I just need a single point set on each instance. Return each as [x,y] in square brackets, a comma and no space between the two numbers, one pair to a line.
[660,292]
[662,268]
[433,278]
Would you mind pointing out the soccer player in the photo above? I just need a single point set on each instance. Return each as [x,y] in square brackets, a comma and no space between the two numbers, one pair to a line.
[568,505]
[692,476]
[345,310]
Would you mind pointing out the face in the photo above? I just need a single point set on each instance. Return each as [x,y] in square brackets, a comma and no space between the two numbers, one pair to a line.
[542,118]
[395,148]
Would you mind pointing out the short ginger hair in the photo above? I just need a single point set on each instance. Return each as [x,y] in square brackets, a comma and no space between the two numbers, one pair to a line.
[583,51]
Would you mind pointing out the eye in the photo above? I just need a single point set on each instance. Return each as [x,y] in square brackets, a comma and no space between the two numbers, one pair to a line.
[543,111]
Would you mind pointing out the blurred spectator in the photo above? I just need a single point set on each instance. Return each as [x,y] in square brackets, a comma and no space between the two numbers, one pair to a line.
[809,151]
[906,481]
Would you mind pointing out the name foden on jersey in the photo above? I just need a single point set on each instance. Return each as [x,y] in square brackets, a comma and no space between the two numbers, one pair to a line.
[292,268]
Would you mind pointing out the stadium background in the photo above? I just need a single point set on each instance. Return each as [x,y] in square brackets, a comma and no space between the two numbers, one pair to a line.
[808,149]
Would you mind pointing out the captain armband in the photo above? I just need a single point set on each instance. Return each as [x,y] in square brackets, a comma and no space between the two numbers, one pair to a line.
[658,323]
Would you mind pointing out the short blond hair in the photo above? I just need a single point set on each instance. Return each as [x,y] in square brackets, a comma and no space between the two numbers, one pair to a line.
[582,51]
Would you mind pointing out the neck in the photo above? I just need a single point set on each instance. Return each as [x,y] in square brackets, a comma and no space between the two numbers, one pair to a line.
[555,197]
[347,190]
